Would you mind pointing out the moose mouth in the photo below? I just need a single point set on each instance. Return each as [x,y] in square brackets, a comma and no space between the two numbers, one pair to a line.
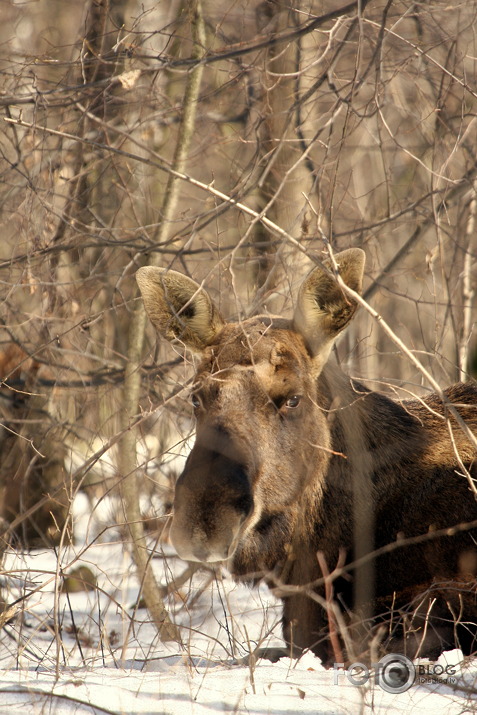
[196,545]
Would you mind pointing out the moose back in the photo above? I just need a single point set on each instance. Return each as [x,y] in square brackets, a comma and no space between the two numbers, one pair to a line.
[297,467]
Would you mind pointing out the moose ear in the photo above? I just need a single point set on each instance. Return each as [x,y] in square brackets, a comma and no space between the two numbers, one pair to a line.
[178,307]
[323,309]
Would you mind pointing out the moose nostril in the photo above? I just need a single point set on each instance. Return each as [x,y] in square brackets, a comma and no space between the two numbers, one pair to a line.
[243,504]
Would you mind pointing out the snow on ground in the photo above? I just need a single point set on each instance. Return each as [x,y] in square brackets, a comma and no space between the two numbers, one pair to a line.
[104,656]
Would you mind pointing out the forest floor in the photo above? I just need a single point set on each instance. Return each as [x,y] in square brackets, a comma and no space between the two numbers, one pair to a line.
[97,652]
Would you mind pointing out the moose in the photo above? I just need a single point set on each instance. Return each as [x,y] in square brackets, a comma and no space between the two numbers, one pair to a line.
[298,468]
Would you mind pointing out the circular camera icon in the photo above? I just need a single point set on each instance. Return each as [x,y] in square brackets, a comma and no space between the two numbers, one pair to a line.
[396,673]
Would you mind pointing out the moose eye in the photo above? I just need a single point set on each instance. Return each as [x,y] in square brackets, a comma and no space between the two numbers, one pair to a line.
[195,401]
[293,401]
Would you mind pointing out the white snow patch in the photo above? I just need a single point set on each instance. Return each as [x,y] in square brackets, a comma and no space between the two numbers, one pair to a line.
[104,656]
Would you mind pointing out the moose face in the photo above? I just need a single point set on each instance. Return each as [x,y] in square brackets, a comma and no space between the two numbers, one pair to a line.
[262,438]
[255,402]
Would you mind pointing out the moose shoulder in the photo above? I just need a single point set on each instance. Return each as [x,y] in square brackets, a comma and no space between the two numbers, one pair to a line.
[297,465]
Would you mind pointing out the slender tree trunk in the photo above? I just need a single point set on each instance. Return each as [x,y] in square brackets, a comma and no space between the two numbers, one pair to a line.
[132,382]
[467,291]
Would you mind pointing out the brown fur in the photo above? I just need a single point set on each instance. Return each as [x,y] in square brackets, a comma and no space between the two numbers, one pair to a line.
[272,480]
[32,453]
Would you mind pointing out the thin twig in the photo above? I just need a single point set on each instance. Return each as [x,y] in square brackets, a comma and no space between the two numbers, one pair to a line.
[329,596]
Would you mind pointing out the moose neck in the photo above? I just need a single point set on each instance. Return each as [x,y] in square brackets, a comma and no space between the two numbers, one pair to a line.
[369,431]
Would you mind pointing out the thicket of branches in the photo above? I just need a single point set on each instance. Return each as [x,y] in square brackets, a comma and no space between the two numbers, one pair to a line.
[235,143]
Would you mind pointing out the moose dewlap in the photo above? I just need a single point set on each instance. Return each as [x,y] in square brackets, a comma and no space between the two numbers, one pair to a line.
[296,466]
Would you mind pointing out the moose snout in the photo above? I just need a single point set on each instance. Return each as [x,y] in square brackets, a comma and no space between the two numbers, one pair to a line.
[197,547]
[213,501]
[204,536]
